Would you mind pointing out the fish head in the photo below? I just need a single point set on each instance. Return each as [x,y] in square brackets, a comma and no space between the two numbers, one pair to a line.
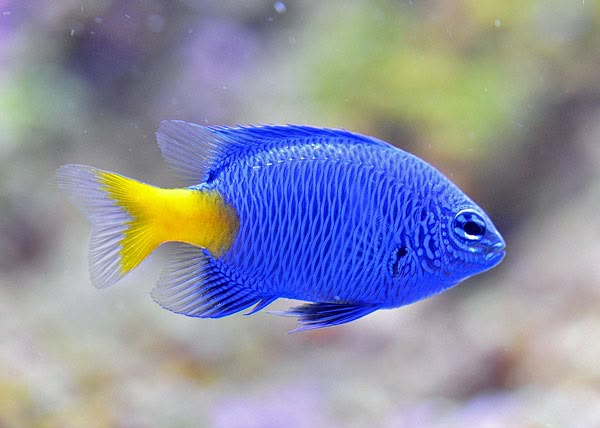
[455,240]
[473,244]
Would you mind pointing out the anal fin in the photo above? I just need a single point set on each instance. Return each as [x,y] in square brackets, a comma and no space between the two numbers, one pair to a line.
[318,315]
[192,284]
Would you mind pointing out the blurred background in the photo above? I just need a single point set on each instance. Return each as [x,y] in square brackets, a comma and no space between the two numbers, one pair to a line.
[502,96]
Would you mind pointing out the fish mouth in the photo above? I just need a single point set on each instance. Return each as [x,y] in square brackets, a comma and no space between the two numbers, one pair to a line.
[496,252]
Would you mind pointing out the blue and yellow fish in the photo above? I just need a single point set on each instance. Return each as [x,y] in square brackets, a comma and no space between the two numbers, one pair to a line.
[346,222]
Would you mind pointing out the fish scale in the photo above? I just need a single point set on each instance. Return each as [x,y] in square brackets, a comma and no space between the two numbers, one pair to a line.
[320,271]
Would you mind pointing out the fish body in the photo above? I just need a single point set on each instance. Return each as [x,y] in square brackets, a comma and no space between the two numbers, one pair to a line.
[347,222]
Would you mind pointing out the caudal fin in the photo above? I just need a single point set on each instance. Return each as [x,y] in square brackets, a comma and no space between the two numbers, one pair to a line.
[119,240]
[131,219]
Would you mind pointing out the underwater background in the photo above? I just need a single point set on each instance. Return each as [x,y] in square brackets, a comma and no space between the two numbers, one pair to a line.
[503,97]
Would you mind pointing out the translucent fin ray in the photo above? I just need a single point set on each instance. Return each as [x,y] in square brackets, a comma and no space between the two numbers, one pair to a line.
[187,148]
[109,221]
[195,152]
[192,284]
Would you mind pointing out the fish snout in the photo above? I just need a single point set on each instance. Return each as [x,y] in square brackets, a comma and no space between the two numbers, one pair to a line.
[496,251]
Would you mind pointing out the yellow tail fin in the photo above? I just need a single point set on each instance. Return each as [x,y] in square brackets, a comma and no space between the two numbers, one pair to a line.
[131,219]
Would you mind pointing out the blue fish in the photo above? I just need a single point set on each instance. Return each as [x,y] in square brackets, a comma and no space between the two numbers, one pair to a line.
[346,222]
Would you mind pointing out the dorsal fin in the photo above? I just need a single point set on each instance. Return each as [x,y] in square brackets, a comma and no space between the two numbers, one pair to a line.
[194,150]
[187,148]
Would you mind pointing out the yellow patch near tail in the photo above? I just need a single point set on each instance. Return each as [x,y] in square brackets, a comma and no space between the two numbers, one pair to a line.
[197,217]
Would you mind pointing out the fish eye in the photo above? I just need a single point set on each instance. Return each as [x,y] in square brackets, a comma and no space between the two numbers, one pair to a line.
[469,225]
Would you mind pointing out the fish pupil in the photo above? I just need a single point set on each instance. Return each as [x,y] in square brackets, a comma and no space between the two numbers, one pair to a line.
[469,225]
[474,229]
